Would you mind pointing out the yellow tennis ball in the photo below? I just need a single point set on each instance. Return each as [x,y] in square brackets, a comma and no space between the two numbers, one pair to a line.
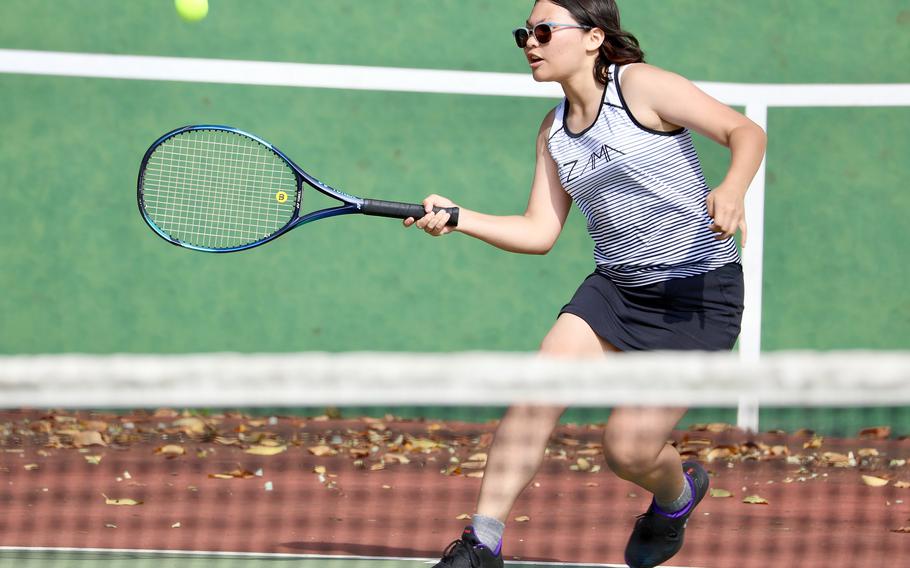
[192,10]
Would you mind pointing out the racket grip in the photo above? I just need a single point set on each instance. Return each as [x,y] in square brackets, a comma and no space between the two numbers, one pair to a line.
[398,210]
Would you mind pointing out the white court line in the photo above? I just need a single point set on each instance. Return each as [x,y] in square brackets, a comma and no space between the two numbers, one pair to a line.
[231,71]
[278,556]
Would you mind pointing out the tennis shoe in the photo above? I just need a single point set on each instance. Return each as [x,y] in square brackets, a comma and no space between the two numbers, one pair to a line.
[469,552]
[658,536]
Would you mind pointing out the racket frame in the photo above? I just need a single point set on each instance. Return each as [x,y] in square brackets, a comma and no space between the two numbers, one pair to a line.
[351,204]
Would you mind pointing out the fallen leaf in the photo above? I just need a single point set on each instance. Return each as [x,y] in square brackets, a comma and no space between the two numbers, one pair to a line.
[721,452]
[170,451]
[191,425]
[31,466]
[175,525]
[755,500]
[780,451]
[265,450]
[422,444]
[905,530]
[130,502]
[522,519]
[463,517]
[873,481]
[389,458]
[235,474]
[94,460]
[88,438]
[720,493]
[321,451]
[477,474]
[815,442]
[98,425]
[902,485]
[837,460]
[877,433]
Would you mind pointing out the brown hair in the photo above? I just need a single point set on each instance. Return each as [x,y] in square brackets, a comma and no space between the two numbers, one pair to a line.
[619,46]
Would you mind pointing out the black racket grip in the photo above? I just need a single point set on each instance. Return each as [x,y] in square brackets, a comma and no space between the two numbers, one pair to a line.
[397,210]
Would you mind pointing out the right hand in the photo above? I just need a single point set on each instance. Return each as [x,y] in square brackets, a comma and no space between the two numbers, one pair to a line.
[433,223]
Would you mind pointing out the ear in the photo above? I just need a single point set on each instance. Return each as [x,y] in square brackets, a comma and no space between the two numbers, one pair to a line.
[595,38]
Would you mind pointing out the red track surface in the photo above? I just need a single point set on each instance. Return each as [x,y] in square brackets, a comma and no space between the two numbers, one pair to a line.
[53,497]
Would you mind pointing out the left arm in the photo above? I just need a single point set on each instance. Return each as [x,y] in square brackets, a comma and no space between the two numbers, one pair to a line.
[669,100]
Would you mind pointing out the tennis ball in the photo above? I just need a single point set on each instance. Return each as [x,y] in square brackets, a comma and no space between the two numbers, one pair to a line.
[192,10]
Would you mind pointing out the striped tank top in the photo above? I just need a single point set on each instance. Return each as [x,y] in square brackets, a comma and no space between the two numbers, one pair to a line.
[642,192]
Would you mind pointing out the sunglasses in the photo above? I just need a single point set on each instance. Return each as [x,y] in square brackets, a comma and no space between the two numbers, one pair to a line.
[543,32]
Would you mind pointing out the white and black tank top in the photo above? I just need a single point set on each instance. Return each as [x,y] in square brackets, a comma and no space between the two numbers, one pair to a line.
[642,191]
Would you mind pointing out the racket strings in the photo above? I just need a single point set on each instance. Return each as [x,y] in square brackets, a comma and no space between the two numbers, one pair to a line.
[218,189]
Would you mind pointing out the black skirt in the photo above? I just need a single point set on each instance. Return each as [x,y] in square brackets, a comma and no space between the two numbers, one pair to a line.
[699,312]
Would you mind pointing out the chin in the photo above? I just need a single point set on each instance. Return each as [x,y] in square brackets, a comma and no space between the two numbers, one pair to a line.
[541,76]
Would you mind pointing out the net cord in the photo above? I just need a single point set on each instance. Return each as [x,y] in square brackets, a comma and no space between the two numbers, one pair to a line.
[804,379]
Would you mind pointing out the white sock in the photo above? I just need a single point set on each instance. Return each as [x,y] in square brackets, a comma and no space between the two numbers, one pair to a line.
[489,531]
[680,502]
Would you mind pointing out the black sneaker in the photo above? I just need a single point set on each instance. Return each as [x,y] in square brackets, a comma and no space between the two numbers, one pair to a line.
[468,552]
[656,536]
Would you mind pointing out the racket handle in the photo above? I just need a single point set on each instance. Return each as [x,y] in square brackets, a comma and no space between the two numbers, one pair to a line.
[398,210]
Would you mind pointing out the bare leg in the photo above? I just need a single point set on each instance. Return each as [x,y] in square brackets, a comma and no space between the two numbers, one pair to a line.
[636,449]
[521,439]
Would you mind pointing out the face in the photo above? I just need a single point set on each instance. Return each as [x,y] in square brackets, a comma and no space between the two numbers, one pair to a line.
[568,51]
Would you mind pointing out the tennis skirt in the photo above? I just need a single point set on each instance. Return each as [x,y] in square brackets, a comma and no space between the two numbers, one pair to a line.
[700,312]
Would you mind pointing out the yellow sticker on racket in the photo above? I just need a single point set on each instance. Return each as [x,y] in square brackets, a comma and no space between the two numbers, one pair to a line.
[281,197]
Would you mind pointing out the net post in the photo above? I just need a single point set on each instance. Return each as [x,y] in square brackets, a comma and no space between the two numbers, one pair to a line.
[750,337]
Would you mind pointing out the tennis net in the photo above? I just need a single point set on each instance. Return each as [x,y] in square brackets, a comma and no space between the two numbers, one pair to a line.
[377,459]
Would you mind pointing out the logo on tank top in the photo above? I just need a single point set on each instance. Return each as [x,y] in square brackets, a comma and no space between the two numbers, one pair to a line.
[602,156]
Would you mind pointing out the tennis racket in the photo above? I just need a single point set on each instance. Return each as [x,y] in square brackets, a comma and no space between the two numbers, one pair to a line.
[219,189]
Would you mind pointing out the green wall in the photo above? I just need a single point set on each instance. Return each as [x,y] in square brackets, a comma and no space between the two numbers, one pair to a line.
[80,272]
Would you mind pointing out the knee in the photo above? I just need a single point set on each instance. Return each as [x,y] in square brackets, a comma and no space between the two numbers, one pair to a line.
[629,462]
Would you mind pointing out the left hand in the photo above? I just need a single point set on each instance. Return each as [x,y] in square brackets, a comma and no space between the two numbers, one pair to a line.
[726,206]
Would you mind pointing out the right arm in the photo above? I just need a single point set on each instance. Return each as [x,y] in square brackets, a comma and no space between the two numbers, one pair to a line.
[535,232]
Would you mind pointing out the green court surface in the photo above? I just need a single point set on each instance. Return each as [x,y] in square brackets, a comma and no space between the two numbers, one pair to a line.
[82,273]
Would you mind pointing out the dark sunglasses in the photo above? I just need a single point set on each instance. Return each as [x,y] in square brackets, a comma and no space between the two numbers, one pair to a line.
[543,32]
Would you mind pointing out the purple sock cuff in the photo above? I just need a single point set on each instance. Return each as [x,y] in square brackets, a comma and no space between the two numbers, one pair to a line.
[685,510]
[498,548]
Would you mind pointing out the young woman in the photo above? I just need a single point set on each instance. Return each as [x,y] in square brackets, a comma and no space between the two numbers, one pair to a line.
[667,276]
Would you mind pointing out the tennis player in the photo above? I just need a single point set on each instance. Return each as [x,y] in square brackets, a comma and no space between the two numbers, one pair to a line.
[668,273]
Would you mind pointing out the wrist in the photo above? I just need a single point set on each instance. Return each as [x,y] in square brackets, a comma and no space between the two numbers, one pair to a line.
[734,186]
